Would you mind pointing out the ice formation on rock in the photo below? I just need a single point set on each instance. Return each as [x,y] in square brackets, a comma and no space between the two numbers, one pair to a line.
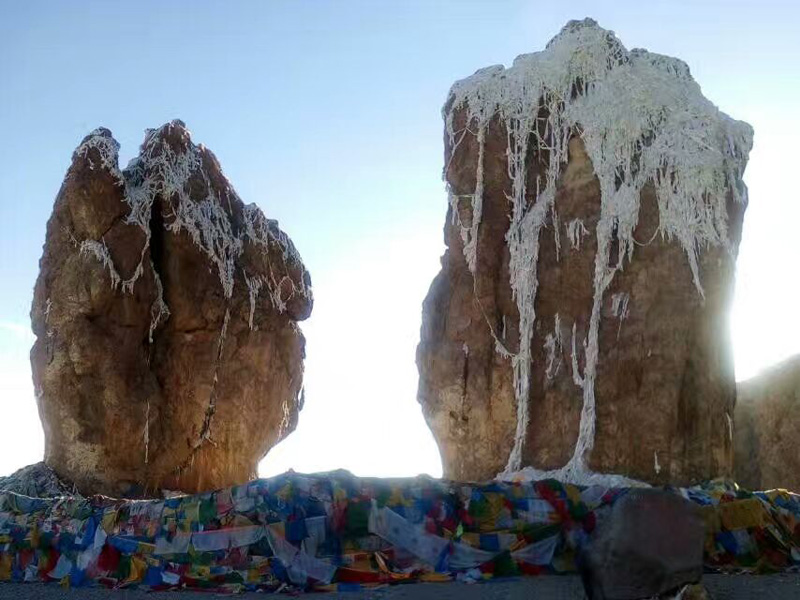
[642,118]
[553,345]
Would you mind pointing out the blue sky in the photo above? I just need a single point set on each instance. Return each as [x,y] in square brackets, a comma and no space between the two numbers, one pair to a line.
[327,114]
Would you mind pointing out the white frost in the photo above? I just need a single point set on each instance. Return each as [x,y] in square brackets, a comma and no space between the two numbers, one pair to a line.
[159,311]
[100,251]
[265,233]
[582,478]
[576,231]
[576,370]
[254,285]
[107,147]
[619,305]
[161,171]
[146,433]
[619,308]
[553,344]
[642,118]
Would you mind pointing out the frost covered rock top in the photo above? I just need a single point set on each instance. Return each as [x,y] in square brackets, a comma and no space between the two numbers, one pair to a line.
[204,204]
[641,115]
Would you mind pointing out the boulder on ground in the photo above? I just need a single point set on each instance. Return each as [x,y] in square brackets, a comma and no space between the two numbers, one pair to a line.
[168,353]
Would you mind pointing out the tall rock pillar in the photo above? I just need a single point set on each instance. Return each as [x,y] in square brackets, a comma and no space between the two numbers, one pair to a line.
[579,322]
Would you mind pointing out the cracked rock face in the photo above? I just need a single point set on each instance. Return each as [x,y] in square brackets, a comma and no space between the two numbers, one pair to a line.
[768,428]
[168,353]
[579,323]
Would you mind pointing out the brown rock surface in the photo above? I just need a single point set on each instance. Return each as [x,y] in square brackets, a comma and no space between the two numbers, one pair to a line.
[767,433]
[649,544]
[579,322]
[168,353]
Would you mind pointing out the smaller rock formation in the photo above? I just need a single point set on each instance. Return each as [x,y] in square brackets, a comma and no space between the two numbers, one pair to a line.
[648,543]
[168,353]
[767,438]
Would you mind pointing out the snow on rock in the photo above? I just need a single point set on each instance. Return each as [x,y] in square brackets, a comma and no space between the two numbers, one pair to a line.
[621,150]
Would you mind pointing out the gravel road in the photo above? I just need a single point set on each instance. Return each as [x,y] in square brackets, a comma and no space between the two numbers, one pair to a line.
[720,587]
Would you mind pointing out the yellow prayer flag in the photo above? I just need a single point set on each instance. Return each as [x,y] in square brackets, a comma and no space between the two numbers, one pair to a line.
[742,514]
